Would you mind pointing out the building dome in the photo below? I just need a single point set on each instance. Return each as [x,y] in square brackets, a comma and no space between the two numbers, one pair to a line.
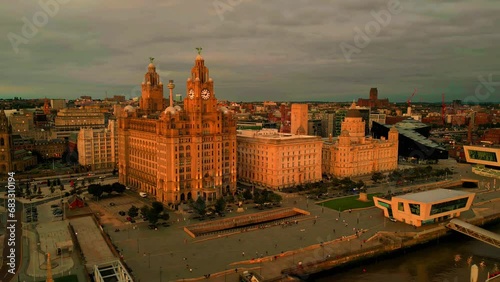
[189,79]
[199,58]
[129,109]
[344,133]
[277,113]
[197,79]
[170,110]
[178,108]
[210,79]
[224,110]
[151,66]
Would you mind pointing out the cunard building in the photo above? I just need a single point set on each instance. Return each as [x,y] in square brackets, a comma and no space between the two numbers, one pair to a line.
[177,154]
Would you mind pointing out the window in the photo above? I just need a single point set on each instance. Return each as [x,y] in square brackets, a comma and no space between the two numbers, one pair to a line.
[415,209]
[449,206]
[401,206]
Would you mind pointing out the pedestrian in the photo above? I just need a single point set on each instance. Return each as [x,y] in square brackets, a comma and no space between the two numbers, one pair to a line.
[337,219]
[190,270]
[242,254]
[334,230]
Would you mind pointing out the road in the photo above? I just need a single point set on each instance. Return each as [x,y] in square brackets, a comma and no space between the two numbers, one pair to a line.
[7,270]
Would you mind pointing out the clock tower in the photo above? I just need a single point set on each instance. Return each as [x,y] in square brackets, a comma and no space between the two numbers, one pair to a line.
[200,98]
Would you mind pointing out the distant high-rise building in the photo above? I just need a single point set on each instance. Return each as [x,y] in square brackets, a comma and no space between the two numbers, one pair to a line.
[328,124]
[339,118]
[299,124]
[57,104]
[314,127]
[178,98]
[98,148]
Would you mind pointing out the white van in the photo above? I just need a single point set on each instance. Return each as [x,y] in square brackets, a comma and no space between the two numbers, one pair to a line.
[143,194]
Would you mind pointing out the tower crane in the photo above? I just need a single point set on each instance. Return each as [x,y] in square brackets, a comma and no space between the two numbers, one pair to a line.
[443,109]
[409,99]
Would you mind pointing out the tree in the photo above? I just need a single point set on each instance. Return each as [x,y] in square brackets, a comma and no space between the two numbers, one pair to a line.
[157,207]
[48,182]
[200,206]
[145,211]
[275,198]
[95,190]
[118,187]
[165,216]
[377,176]
[107,188]
[247,195]
[133,211]
[152,217]
[220,205]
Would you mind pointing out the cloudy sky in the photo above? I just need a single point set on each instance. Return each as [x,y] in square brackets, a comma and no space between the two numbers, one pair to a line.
[282,50]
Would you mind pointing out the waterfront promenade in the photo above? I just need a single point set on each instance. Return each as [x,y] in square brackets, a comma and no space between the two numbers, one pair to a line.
[171,254]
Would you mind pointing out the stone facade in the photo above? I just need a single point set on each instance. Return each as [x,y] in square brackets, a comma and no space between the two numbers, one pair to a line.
[98,148]
[276,160]
[12,160]
[299,119]
[352,154]
[179,154]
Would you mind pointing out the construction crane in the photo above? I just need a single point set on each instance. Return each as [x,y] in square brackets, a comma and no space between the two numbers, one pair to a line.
[409,99]
[443,109]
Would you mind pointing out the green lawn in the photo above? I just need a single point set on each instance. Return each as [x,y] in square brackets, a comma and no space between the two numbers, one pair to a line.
[350,202]
[70,278]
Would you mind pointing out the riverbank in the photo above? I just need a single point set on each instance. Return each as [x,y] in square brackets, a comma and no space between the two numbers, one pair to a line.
[391,242]
[344,251]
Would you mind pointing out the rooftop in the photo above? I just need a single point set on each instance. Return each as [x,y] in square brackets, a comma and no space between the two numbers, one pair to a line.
[432,196]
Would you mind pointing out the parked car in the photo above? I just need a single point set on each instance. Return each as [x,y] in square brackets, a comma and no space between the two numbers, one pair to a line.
[112,204]
[152,226]
[54,206]
[122,213]
[143,194]
[80,179]
[165,224]
[392,219]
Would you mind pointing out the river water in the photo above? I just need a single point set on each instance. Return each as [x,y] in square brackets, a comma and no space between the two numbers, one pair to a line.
[445,260]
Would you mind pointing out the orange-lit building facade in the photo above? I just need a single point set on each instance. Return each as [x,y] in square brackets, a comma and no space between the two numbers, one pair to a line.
[276,160]
[178,154]
[299,119]
[352,154]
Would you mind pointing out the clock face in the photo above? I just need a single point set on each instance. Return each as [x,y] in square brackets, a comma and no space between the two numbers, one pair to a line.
[191,94]
[205,94]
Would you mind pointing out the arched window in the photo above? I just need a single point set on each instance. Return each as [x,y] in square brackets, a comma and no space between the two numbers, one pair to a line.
[2,142]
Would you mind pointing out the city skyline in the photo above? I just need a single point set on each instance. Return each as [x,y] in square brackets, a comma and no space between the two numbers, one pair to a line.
[256,50]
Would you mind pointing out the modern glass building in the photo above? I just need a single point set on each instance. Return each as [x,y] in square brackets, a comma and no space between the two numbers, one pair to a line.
[426,207]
